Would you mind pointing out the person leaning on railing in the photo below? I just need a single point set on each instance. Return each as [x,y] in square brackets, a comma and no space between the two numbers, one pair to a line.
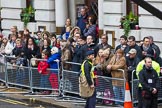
[118,61]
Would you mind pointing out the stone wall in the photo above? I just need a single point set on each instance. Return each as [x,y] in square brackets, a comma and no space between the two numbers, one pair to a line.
[10,14]
[44,15]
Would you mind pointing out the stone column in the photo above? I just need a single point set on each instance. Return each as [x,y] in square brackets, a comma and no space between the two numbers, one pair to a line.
[72,11]
[100,17]
[61,11]
[124,3]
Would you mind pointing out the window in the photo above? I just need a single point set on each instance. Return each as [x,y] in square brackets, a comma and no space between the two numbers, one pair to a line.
[132,7]
[29,2]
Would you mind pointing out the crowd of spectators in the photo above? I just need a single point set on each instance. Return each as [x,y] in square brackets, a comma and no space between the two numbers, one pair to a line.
[72,44]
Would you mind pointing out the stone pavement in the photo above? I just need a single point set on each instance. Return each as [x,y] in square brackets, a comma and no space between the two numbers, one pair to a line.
[20,94]
[53,100]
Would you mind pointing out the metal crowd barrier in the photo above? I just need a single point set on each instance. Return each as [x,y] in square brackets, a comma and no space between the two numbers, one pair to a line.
[109,92]
[15,75]
[70,82]
[45,83]
[104,85]
[2,68]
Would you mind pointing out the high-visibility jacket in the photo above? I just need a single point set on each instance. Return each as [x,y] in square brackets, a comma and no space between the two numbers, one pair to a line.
[92,69]
[140,65]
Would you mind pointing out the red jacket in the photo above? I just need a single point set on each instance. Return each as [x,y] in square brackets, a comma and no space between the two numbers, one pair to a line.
[42,66]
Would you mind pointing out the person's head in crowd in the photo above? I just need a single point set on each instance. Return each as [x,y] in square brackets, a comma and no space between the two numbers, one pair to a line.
[148,63]
[4,40]
[151,39]
[104,39]
[70,40]
[45,54]
[45,34]
[76,36]
[46,43]
[53,39]
[119,53]
[100,52]
[91,20]
[146,41]
[90,55]
[54,50]
[132,53]
[13,29]
[39,35]
[13,37]
[30,43]
[132,41]
[100,57]
[18,42]
[89,39]
[68,22]
[106,53]
[1,37]
[67,33]
[82,40]
[64,44]
[26,32]
[68,29]
[123,40]
[58,43]
[74,31]
[83,12]
[20,34]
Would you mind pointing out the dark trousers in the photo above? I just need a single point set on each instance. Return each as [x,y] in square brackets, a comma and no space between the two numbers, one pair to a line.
[139,98]
[91,101]
[146,103]
[150,103]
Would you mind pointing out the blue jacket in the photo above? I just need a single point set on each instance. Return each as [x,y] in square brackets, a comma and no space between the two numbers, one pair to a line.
[82,20]
[53,64]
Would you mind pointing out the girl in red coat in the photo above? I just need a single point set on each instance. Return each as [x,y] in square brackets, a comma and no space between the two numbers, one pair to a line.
[42,69]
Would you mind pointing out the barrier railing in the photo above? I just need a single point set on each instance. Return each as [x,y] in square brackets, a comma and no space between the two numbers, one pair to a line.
[45,83]
[15,74]
[29,77]
[2,68]
[104,85]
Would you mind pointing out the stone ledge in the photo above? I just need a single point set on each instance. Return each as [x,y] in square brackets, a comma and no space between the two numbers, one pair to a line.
[44,4]
[41,15]
[10,13]
[13,3]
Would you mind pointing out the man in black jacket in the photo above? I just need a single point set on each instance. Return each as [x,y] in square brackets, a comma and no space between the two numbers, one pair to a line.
[132,44]
[132,61]
[149,80]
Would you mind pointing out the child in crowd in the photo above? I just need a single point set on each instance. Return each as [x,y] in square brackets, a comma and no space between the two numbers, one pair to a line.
[66,35]
[20,61]
[42,69]
[55,56]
